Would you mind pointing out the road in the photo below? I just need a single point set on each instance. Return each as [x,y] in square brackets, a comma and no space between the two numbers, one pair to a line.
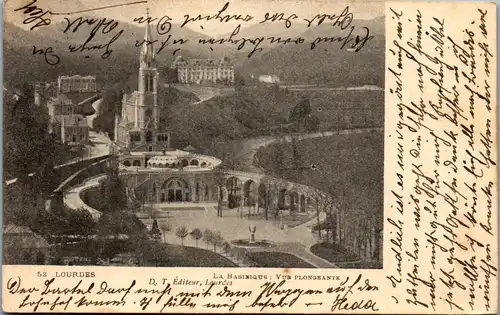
[90,119]
[203,93]
[73,201]
[316,87]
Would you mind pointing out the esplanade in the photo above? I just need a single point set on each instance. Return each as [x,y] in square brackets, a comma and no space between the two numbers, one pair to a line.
[164,180]
[188,177]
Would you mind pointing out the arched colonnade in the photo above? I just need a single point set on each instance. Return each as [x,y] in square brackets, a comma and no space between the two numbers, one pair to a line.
[237,191]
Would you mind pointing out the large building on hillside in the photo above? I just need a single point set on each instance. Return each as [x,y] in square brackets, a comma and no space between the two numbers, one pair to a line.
[138,127]
[77,83]
[199,71]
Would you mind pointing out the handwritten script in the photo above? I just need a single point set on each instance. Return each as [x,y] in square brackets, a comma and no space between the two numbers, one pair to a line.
[166,294]
[441,194]
[102,33]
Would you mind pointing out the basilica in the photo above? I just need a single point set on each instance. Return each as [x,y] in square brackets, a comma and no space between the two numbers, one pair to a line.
[138,128]
[162,174]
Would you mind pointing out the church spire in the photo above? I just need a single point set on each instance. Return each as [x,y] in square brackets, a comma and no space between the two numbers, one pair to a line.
[148,51]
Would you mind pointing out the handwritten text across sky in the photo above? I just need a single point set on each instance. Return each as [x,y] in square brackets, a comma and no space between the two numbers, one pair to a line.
[176,9]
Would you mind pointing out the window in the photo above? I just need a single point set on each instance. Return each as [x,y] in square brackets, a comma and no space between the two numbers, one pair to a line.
[162,138]
[151,83]
[135,137]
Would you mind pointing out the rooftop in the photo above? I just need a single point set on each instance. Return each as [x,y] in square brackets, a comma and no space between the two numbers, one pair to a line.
[181,62]
[76,76]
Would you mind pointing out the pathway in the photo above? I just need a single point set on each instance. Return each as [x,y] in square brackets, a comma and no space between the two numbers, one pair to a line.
[204,93]
[90,119]
[232,226]
[72,198]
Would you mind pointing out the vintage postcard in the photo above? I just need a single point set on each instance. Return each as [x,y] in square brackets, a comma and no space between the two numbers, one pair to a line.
[275,156]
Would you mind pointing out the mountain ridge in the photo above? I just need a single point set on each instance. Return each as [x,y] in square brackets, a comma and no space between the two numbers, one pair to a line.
[291,62]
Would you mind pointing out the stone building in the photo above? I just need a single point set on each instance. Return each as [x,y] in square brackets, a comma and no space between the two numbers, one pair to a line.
[68,101]
[68,125]
[269,78]
[23,246]
[199,71]
[72,129]
[77,83]
[138,127]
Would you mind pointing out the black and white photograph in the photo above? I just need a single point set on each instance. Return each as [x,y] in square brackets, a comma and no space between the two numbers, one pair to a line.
[193,133]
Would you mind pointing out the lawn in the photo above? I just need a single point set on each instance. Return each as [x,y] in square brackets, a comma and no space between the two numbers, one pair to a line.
[278,260]
[347,160]
[333,253]
[152,254]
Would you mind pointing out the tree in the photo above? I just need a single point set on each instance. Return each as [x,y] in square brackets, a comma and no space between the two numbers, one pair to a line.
[155,231]
[325,203]
[196,234]
[300,111]
[217,240]
[226,248]
[220,182]
[165,227]
[113,191]
[26,132]
[181,233]
[239,81]
[265,197]
[208,237]
[81,222]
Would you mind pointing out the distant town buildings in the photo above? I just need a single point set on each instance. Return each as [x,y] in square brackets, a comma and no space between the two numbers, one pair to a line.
[199,71]
[269,78]
[65,101]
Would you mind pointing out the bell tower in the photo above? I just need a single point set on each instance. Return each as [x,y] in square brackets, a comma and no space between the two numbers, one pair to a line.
[148,84]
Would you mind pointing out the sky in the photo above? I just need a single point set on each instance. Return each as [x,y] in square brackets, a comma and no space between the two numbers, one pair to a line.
[176,9]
